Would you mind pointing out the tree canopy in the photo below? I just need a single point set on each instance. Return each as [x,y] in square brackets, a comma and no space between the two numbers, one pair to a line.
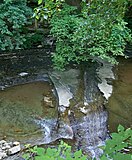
[89,30]
[97,31]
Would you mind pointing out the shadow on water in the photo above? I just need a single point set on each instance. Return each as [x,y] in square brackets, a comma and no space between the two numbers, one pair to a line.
[29,61]
[39,105]
[120,103]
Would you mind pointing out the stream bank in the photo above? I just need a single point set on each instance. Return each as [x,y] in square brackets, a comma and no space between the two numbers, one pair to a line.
[40,105]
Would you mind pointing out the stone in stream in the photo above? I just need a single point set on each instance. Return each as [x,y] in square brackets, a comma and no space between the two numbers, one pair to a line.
[3,155]
[71,107]
[7,149]
[14,150]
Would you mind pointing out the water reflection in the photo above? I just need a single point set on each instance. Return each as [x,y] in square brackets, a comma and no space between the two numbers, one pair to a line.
[21,106]
[120,103]
[29,112]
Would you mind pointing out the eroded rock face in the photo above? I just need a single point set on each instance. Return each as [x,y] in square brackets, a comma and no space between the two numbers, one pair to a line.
[65,83]
[106,76]
[66,87]
[69,106]
[83,111]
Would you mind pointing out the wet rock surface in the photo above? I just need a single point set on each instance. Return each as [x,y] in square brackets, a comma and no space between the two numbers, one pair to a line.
[66,87]
[90,132]
[83,110]
[106,76]
[52,105]
[21,107]
[8,149]
[23,66]
[65,83]
[91,90]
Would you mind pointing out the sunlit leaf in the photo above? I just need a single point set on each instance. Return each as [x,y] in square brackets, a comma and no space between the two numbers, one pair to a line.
[40,1]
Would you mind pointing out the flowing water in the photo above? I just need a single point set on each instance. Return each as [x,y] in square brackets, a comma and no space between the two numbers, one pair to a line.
[39,105]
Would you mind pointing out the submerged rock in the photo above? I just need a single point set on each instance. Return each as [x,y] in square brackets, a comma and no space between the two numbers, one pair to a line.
[22,106]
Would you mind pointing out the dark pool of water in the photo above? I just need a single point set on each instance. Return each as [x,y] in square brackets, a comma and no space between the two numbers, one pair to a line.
[120,103]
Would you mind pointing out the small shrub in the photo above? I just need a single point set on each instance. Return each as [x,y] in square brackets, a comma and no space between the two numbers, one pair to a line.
[115,148]
[63,152]
[98,32]
[33,40]
[14,16]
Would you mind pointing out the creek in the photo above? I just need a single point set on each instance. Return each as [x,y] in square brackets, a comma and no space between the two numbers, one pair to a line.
[39,105]
[120,102]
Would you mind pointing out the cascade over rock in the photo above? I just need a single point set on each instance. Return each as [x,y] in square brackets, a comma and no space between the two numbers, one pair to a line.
[57,104]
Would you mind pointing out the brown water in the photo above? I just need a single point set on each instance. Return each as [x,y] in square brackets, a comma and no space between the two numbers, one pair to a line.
[28,112]
[120,103]
[21,105]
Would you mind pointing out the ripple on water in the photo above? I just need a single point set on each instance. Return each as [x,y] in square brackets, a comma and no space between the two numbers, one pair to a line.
[21,106]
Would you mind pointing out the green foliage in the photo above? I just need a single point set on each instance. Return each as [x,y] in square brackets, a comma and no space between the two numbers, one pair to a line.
[115,147]
[63,26]
[47,8]
[33,40]
[13,18]
[62,152]
[98,32]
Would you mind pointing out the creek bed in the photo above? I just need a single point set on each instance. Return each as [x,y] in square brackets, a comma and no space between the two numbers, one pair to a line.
[30,107]
[22,106]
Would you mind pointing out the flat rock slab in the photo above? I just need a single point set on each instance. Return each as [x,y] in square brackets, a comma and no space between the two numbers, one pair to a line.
[66,83]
